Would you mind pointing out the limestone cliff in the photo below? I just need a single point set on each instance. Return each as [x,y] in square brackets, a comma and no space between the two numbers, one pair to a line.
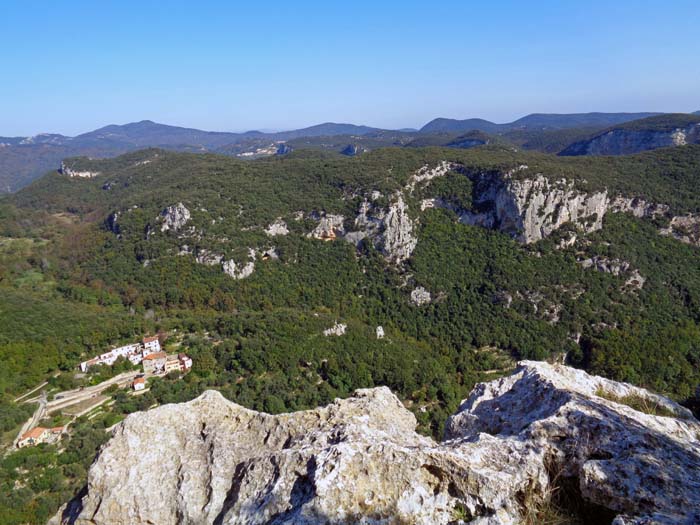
[513,443]
[626,141]
[532,208]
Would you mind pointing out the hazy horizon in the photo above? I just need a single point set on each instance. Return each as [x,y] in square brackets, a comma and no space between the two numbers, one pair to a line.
[280,130]
[222,67]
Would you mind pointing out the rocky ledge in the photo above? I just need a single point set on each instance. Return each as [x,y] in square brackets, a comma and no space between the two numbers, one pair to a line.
[516,446]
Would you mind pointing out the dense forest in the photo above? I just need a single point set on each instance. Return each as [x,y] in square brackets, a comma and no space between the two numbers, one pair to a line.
[85,264]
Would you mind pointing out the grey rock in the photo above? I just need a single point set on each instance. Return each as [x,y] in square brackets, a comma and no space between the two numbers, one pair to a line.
[174,217]
[685,228]
[329,227]
[240,270]
[73,173]
[398,241]
[278,227]
[420,296]
[359,460]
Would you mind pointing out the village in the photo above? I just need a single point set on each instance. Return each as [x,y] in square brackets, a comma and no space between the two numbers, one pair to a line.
[148,353]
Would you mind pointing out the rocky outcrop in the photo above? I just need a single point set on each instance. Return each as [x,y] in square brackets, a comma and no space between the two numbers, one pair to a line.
[352,150]
[208,258]
[420,296]
[643,467]
[329,227]
[605,265]
[627,141]
[530,209]
[398,241]
[616,267]
[428,173]
[389,229]
[337,329]
[65,169]
[685,228]
[278,227]
[513,443]
[637,207]
[240,270]
[174,217]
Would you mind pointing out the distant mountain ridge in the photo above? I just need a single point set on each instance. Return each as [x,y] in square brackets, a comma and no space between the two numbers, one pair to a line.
[534,120]
[23,159]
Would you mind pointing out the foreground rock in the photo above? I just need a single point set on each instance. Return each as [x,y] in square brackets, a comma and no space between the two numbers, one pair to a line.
[543,430]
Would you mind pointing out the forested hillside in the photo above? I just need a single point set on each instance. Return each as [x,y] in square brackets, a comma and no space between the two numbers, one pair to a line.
[246,264]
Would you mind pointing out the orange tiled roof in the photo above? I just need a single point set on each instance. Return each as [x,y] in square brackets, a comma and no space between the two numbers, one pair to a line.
[34,433]
[140,380]
[150,339]
[156,355]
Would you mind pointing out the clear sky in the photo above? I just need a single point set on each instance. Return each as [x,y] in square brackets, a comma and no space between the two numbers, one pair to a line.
[72,66]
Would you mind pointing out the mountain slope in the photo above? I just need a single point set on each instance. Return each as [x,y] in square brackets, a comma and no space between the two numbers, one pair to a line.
[23,159]
[533,121]
[294,280]
[147,133]
[447,125]
[640,135]
[576,120]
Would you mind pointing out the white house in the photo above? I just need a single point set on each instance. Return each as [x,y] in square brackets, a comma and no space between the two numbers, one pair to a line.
[134,352]
[185,362]
[151,345]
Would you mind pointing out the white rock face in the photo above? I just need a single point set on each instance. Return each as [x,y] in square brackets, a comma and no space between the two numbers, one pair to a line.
[67,170]
[398,241]
[625,141]
[360,460]
[531,209]
[428,173]
[420,296]
[240,270]
[380,332]
[279,227]
[337,329]
[329,228]
[389,229]
[174,217]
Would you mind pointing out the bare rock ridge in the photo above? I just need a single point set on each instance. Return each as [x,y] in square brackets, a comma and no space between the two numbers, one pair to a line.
[513,443]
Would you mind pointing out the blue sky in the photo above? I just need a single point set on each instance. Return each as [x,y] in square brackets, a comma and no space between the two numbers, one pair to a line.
[72,66]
